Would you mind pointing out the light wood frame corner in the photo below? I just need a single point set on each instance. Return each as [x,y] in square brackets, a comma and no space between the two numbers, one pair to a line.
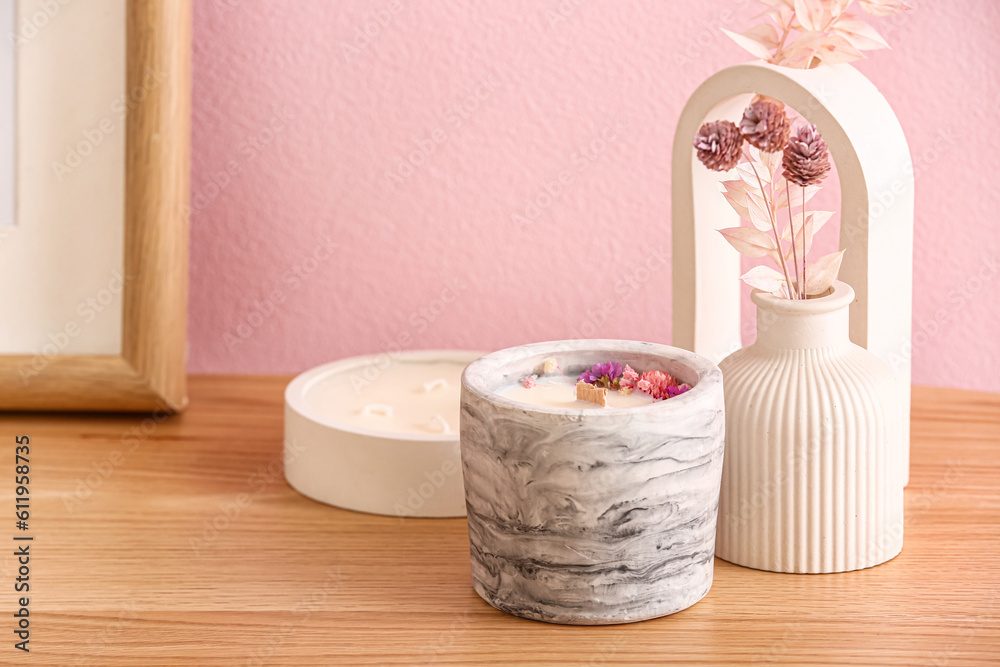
[150,373]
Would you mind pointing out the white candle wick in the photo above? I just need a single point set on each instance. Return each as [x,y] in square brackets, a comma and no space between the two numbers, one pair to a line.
[439,424]
[435,384]
[377,409]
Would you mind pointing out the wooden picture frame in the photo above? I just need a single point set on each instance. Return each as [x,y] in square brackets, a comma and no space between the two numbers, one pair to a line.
[149,374]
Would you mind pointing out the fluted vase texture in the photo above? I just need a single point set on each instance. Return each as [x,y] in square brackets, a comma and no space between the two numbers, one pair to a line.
[814,434]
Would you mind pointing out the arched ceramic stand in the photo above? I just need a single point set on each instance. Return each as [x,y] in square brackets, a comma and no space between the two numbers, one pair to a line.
[876,182]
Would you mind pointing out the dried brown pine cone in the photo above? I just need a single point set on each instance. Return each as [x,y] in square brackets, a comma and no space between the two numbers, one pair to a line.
[719,144]
[765,125]
[806,159]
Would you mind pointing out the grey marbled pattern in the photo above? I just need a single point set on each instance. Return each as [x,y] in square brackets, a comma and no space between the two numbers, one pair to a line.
[592,516]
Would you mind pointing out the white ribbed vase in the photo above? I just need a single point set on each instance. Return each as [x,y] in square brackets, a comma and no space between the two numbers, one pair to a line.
[813,431]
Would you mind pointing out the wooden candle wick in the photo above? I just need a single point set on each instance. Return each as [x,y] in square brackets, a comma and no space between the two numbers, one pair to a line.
[595,395]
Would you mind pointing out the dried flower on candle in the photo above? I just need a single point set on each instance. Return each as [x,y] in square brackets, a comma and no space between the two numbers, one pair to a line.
[677,391]
[550,367]
[529,381]
[765,125]
[611,375]
[628,379]
[719,144]
[655,383]
[603,375]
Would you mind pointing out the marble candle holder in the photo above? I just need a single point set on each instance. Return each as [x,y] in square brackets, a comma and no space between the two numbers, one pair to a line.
[596,515]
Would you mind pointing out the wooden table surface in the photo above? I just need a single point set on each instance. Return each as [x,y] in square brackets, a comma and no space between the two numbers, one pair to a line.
[177,541]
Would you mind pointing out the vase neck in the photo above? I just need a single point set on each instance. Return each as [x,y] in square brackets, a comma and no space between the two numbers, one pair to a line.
[802,332]
[802,325]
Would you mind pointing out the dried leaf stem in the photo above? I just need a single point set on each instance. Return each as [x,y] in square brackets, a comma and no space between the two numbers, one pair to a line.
[774,225]
[805,295]
[791,230]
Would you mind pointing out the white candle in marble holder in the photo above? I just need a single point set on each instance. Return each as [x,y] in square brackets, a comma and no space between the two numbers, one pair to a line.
[592,515]
[379,433]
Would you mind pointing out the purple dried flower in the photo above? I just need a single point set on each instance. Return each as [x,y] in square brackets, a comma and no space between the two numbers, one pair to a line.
[602,375]
[677,391]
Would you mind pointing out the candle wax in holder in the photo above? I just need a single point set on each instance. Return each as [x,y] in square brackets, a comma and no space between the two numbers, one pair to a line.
[408,397]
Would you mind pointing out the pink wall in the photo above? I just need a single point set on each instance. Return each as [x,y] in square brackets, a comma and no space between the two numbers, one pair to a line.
[310,242]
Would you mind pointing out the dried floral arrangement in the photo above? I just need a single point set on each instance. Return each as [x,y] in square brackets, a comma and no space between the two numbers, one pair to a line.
[806,33]
[600,378]
[777,169]
[612,375]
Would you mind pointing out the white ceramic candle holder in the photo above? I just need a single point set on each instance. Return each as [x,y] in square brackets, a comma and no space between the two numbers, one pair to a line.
[596,515]
[366,469]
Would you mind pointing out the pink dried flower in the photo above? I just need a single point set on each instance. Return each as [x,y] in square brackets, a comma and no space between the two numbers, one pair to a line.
[719,144]
[765,125]
[629,378]
[655,384]
[529,382]
[807,157]
[815,31]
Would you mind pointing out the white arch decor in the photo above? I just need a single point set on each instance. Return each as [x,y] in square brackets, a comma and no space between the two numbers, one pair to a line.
[876,182]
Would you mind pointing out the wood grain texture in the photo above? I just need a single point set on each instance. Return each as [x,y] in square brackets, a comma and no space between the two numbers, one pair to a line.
[157,182]
[178,542]
[150,373]
[74,382]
